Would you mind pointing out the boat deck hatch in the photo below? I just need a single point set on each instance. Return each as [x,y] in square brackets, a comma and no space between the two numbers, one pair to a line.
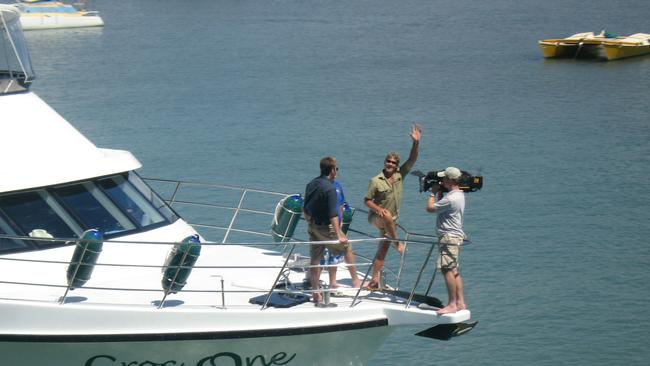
[280,300]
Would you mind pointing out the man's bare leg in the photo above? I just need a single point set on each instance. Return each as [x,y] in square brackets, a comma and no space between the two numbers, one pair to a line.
[378,263]
[332,273]
[460,296]
[450,281]
[349,259]
[391,231]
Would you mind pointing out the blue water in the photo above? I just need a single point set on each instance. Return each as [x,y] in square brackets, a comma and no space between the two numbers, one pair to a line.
[255,92]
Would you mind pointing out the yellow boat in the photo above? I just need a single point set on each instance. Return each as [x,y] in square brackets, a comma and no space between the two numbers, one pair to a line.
[583,44]
[634,45]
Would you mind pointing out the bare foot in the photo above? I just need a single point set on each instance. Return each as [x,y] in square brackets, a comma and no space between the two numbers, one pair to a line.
[461,306]
[334,285]
[448,309]
[400,247]
[316,298]
[356,283]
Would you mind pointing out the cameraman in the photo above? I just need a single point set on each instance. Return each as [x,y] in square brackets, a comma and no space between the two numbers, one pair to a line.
[449,228]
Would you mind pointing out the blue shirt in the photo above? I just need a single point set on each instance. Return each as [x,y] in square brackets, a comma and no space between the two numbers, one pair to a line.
[340,198]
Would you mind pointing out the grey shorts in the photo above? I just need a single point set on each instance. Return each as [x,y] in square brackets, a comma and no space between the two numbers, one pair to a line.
[449,255]
[324,233]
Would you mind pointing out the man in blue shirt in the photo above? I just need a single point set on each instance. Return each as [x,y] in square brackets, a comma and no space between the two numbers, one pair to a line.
[330,258]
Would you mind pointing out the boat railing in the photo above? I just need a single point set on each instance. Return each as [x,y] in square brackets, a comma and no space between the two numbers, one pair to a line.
[290,263]
[174,199]
[175,196]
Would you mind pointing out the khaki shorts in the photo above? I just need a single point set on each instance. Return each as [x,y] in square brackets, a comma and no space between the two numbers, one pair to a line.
[323,233]
[449,255]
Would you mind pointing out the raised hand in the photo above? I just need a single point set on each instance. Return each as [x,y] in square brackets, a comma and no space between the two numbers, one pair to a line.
[416,131]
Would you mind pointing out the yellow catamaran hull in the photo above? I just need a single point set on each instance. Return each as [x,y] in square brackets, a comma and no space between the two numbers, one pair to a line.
[634,45]
[596,45]
[572,46]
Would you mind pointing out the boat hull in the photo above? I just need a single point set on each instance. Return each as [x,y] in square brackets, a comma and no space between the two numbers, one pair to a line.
[615,52]
[33,22]
[334,348]
[569,50]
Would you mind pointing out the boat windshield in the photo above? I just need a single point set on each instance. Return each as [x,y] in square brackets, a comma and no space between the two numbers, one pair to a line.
[16,73]
[116,205]
[47,7]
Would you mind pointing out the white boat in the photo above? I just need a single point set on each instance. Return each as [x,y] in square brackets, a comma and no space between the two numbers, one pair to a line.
[50,14]
[93,272]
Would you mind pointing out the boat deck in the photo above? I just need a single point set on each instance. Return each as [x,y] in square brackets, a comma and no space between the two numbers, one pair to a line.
[247,280]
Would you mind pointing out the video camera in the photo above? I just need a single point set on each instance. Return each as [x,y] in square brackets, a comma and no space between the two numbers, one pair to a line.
[467,182]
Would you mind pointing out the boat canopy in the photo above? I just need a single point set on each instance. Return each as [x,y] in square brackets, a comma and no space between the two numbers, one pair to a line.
[16,73]
[40,148]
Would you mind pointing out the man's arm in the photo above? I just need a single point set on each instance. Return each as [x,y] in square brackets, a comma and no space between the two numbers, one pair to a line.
[380,211]
[333,210]
[368,199]
[416,133]
[431,202]
[306,215]
[334,221]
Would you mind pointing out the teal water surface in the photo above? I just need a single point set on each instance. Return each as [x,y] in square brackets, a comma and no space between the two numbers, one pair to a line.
[255,92]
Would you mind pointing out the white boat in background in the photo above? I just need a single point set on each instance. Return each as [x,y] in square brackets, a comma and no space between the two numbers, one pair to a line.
[50,14]
[97,269]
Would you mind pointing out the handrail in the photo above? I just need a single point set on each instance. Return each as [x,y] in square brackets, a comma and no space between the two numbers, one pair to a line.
[178,187]
[71,241]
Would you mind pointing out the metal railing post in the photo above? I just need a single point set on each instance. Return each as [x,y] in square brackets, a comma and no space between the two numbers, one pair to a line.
[417,281]
[277,278]
[74,275]
[402,260]
[365,277]
[234,216]
[173,198]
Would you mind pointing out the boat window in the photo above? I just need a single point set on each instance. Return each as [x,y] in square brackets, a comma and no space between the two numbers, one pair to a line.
[152,197]
[131,201]
[7,243]
[93,209]
[48,9]
[33,215]
[117,205]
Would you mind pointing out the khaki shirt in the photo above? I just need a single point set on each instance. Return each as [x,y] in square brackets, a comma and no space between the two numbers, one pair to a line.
[388,196]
